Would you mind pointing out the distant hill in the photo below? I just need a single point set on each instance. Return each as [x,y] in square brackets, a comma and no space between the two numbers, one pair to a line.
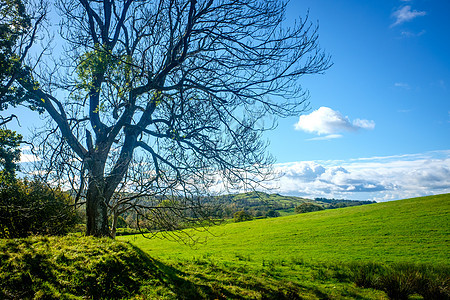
[258,204]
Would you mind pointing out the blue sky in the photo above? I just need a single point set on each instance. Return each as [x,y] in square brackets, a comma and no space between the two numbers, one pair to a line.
[378,127]
[386,100]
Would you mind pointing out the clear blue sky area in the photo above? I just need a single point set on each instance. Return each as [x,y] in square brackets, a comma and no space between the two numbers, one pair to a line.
[378,126]
[379,120]
[390,67]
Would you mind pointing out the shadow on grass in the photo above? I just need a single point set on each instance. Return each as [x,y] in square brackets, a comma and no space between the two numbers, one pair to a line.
[88,268]
[173,279]
[41,268]
[205,280]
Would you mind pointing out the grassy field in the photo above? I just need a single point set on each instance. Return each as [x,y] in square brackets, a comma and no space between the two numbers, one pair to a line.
[414,230]
[398,247]
[393,250]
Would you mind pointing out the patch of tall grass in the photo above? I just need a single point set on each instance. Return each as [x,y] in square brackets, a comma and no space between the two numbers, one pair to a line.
[398,280]
[402,280]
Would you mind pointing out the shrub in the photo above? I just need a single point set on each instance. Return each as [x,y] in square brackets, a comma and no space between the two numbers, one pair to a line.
[272,214]
[399,283]
[366,275]
[307,207]
[9,154]
[241,216]
[31,207]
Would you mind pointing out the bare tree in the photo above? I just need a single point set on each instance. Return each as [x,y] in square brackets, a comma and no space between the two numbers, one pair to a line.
[168,98]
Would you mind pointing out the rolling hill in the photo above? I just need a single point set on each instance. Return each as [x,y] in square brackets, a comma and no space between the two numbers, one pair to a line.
[412,230]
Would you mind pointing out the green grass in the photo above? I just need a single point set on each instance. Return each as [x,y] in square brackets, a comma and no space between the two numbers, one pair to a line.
[75,267]
[414,230]
[69,267]
[396,250]
[399,247]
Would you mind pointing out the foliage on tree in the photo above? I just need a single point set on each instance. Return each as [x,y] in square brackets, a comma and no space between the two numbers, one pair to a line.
[18,32]
[32,207]
[307,207]
[166,98]
[9,154]
[241,216]
[13,23]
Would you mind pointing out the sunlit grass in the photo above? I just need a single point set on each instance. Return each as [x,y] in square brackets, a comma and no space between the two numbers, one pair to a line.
[415,230]
[366,252]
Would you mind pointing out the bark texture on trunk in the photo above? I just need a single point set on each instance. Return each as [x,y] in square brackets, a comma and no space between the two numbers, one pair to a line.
[96,211]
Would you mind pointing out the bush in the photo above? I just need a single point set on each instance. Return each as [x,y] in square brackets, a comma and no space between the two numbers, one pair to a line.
[272,214]
[241,216]
[31,207]
[307,207]
[9,154]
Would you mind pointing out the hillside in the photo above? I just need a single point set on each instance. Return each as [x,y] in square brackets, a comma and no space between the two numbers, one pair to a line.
[413,230]
[255,204]
[258,204]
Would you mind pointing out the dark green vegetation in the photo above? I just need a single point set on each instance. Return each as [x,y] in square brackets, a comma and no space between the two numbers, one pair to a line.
[32,207]
[14,23]
[29,206]
[307,207]
[9,154]
[241,216]
[396,250]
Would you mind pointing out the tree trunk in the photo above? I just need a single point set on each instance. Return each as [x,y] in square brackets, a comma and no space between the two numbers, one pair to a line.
[115,217]
[96,209]
[101,188]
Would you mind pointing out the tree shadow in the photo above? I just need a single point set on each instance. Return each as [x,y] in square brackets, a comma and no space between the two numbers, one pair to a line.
[124,271]
[175,280]
[228,284]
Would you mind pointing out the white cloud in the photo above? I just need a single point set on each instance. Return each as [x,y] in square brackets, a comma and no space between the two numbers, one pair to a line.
[402,85]
[375,178]
[364,124]
[413,34]
[327,137]
[328,122]
[26,156]
[405,14]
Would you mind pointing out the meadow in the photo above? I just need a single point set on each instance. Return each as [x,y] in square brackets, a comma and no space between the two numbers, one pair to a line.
[392,250]
[335,254]
[414,230]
